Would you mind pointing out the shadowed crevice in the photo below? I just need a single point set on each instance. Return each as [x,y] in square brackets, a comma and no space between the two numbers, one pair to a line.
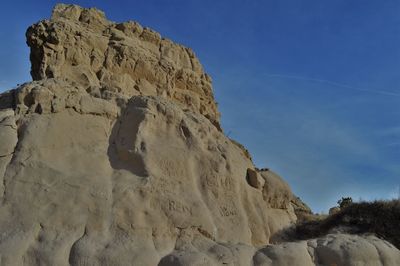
[123,152]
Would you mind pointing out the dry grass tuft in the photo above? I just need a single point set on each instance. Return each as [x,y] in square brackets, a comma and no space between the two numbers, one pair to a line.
[381,218]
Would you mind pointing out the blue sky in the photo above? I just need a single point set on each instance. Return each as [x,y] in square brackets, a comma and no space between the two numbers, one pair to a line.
[311,88]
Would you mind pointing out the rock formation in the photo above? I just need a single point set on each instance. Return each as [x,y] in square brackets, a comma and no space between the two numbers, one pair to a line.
[114,155]
[112,60]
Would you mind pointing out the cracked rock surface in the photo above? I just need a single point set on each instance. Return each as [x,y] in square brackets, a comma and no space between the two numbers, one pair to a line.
[118,59]
[113,155]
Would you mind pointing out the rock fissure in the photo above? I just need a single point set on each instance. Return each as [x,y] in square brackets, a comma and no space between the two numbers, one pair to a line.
[71,256]
[6,155]
[194,90]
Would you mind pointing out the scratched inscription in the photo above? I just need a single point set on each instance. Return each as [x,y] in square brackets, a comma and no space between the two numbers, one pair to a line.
[227,211]
[213,180]
[179,207]
[172,168]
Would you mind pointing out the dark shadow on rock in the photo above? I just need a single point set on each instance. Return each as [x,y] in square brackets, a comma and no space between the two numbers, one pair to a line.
[169,260]
[286,234]
[123,153]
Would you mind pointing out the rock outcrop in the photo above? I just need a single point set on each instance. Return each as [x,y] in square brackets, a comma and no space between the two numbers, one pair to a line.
[333,249]
[111,60]
[113,155]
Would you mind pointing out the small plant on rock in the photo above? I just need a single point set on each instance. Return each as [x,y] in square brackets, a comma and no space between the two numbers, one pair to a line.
[345,202]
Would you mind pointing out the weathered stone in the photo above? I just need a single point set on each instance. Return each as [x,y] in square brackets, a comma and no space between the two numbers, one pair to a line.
[114,156]
[81,46]
[254,179]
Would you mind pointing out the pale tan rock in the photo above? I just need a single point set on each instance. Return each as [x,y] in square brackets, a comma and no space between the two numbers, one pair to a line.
[80,45]
[276,192]
[333,249]
[8,132]
[8,142]
[114,156]
[106,179]
[292,253]
[254,179]
[346,250]
[299,206]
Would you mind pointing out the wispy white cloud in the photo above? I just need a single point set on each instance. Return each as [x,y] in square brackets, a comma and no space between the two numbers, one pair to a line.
[325,128]
[333,83]
[391,131]
[314,152]
[391,135]
[310,140]
[393,144]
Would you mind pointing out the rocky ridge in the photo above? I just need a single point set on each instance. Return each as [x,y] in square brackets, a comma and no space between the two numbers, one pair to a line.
[113,155]
[112,60]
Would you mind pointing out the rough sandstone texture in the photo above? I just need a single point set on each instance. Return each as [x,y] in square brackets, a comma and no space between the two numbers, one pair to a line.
[118,59]
[113,156]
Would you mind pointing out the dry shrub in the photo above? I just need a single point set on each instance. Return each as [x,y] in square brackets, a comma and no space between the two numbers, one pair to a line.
[381,218]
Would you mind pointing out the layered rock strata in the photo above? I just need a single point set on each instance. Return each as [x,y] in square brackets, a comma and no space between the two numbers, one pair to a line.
[112,60]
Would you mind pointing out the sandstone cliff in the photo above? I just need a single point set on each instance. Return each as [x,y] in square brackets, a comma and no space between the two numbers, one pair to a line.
[113,155]
[118,59]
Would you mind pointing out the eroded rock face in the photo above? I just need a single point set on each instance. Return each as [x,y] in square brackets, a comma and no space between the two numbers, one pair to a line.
[92,180]
[98,166]
[118,59]
[8,141]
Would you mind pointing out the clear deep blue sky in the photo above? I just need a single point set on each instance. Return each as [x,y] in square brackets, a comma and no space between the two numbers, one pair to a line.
[311,88]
